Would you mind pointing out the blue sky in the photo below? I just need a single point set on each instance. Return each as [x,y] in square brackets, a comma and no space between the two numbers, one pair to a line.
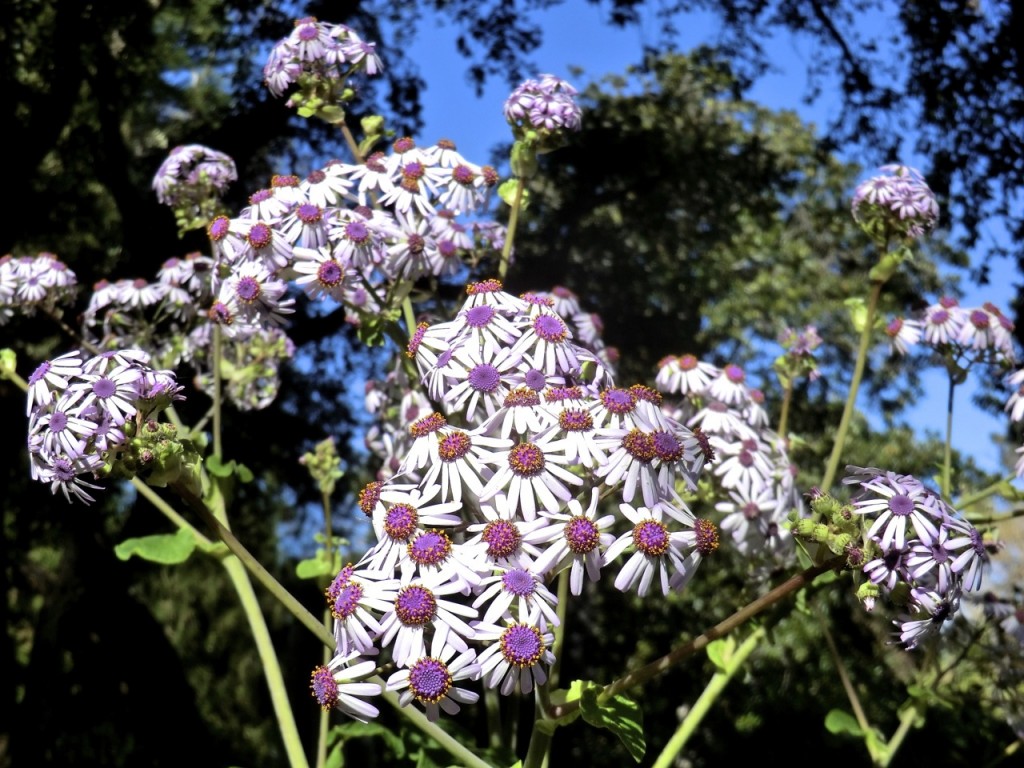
[575,36]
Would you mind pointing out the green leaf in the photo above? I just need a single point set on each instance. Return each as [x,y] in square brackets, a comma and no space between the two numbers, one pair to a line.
[838,721]
[165,548]
[720,651]
[357,730]
[245,474]
[216,467]
[620,715]
[312,568]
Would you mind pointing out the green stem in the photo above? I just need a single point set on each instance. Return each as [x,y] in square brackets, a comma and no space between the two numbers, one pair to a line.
[947,452]
[970,500]
[537,752]
[787,397]
[851,693]
[293,606]
[218,448]
[851,399]
[907,718]
[169,512]
[510,232]
[703,704]
[699,643]
[268,658]
[466,757]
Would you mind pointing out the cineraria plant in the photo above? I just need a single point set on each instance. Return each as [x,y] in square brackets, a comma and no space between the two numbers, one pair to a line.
[515,472]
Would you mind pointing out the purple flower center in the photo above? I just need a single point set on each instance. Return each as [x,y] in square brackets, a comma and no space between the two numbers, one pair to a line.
[400,521]
[307,32]
[446,248]
[260,236]
[526,460]
[939,316]
[416,244]
[415,606]
[64,470]
[429,680]
[308,213]
[707,536]
[502,538]
[347,601]
[248,289]
[325,689]
[329,274]
[357,232]
[751,511]
[519,582]
[484,378]
[618,401]
[478,317]
[315,177]
[463,174]
[640,445]
[339,581]
[734,373]
[103,388]
[521,397]
[413,171]
[651,538]
[550,328]
[667,447]
[535,379]
[522,645]
[369,496]
[745,458]
[430,548]
[258,197]
[58,421]
[581,534]
[901,505]
[454,446]
[687,363]
[980,319]
[575,420]
[219,227]
[403,145]
[427,425]
[39,372]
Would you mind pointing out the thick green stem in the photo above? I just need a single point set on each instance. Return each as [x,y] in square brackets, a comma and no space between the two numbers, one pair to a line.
[703,704]
[851,399]
[268,658]
[699,643]
[787,397]
[907,718]
[947,452]
[851,694]
[510,232]
[218,404]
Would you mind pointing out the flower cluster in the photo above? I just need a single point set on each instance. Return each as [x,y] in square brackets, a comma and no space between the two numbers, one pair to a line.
[496,487]
[319,58]
[914,549]
[30,283]
[91,417]
[968,334]
[753,470]
[548,104]
[896,204]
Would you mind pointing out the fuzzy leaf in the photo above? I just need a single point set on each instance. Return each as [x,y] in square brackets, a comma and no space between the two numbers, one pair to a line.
[620,715]
[165,548]
[838,721]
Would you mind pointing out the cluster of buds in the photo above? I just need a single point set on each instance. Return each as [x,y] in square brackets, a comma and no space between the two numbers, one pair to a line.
[914,549]
[95,417]
[542,113]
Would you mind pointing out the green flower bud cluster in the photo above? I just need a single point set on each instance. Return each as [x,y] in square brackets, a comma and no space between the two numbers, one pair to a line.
[324,465]
[835,527]
[154,452]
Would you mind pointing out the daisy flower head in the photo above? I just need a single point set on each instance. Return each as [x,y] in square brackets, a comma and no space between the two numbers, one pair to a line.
[499,540]
[891,500]
[532,475]
[464,457]
[51,378]
[659,553]
[943,322]
[356,599]
[546,343]
[1015,403]
[684,375]
[340,685]
[517,656]
[576,539]
[903,333]
[430,681]
[422,615]
[516,593]
[321,275]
